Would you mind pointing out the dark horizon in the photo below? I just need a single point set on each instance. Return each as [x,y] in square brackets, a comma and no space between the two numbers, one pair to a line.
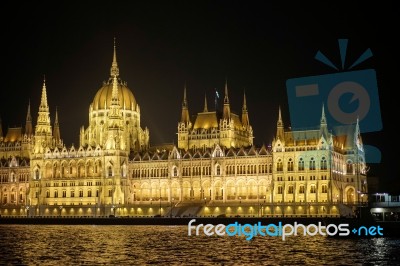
[161,47]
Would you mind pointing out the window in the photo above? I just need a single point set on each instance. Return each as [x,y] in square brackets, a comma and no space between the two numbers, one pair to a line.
[37,174]
[290,165]
[301,178]
[89,193]
[218,170]
[72,193]
[80,193]
[97,193]
[323,164]
[349,167]
[312,189]
[47,194]
[110,193]
[301,164]
[301,189]
[109,171]
[64,194]
[324,189]
[56,194]
[279,178]
[312,164]
[279,166]
[280,190]
[290,190]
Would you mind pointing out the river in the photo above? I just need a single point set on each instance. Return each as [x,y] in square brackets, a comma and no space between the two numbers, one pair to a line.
[171,245]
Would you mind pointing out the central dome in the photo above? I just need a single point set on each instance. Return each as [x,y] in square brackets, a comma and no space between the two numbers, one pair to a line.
[102,100]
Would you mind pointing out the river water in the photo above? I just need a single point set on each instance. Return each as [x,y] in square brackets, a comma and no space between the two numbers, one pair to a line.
[170,245]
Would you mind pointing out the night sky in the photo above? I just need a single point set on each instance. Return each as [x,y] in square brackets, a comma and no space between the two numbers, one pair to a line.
[160,47]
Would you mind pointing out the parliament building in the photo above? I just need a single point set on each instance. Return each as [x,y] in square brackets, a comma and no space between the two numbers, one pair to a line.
[213,170]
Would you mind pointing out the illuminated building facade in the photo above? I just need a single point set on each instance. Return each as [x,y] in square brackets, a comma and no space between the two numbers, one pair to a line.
[215,168]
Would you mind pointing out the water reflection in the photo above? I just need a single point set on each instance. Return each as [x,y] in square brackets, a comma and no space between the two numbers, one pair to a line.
[170,245]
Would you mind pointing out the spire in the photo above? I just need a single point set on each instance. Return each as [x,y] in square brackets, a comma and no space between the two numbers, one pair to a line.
[1,130]
[227,108]
[279,126]
[323,124]
[185,110]
[184,103]
[280,117]
[245,115]
[226,98]
[43,130]
[114,66]
[28,124]
[323,118]
[56,130]
[43,102]
[205,104]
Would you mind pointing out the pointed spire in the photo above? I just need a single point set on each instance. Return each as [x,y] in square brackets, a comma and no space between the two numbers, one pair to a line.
[323,124]
[205,103]
[226,97]
[1,129]
[43,130]
[43,102]
[28,123]
[244,101]
[185,110]
[56,118]
[279,126]
[245,115]
[56,129]
[227,108]
[323,118]
[184,103]
[114,66]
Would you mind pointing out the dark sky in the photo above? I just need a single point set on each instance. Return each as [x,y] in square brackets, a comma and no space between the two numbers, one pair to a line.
[257,46]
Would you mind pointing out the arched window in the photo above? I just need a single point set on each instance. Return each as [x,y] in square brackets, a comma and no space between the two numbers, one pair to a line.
[301,164]
[312,164]
[279,166]
[349,167]
[290,165]
[110,171]
[174,171]
[217,170]
[324,165]
[37,173]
